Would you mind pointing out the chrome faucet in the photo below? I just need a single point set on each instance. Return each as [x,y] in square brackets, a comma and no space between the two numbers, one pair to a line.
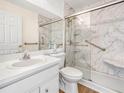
[26,56]
[55,48]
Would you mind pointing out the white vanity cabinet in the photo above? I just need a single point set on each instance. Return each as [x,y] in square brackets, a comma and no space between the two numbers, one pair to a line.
[46,81]
[35,90]
[50,87]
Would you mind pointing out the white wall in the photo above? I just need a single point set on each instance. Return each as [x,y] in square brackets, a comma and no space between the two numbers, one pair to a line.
[48,8]
[30,21]
[54,6]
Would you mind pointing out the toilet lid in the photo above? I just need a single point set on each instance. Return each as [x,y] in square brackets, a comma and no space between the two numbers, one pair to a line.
[71,72]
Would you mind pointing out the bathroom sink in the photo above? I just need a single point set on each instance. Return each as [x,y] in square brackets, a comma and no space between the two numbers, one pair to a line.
[27,63]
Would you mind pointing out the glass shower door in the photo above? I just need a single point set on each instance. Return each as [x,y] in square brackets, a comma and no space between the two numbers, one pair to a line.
[78,51]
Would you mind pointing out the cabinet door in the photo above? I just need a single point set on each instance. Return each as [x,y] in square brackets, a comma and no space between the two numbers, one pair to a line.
[52,86]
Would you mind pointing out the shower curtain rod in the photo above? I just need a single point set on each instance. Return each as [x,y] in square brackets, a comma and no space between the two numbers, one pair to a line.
[86,11]
[96,8]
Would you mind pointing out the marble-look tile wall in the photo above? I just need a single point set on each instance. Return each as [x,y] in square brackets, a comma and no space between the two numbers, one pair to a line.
[103,28]
[108,32]
[101,2]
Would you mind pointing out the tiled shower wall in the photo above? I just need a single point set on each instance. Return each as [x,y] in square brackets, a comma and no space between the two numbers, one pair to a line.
[108,32]
[104,28]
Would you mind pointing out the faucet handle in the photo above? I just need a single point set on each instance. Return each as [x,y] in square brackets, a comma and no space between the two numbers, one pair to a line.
[26,55]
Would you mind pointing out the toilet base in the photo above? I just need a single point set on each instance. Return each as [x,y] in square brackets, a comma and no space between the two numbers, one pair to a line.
[71,87]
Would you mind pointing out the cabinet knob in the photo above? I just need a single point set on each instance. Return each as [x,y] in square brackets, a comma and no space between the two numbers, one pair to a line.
[46,90]
[20,46]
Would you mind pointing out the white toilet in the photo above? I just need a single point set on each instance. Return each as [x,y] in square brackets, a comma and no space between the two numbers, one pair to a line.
[70,75]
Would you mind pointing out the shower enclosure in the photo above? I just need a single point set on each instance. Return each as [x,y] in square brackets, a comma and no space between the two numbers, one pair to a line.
[77,50]
[95,45]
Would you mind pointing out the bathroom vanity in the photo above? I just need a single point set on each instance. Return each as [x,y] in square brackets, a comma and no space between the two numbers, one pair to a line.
[22,77]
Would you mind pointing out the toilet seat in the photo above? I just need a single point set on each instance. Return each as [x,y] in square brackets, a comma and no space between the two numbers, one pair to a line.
[71,73]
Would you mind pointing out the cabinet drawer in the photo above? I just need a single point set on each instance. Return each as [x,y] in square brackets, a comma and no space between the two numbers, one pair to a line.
[51,86]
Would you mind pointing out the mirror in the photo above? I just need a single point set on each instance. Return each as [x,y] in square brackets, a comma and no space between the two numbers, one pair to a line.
[23,29]
[50,35]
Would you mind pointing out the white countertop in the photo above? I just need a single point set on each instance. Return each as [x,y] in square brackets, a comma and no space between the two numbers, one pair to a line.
[10,75]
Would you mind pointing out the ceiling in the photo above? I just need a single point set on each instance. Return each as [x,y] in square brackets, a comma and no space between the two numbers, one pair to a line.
[78,5]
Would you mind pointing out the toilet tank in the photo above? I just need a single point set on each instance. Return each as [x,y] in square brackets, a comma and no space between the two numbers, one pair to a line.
[60,55]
